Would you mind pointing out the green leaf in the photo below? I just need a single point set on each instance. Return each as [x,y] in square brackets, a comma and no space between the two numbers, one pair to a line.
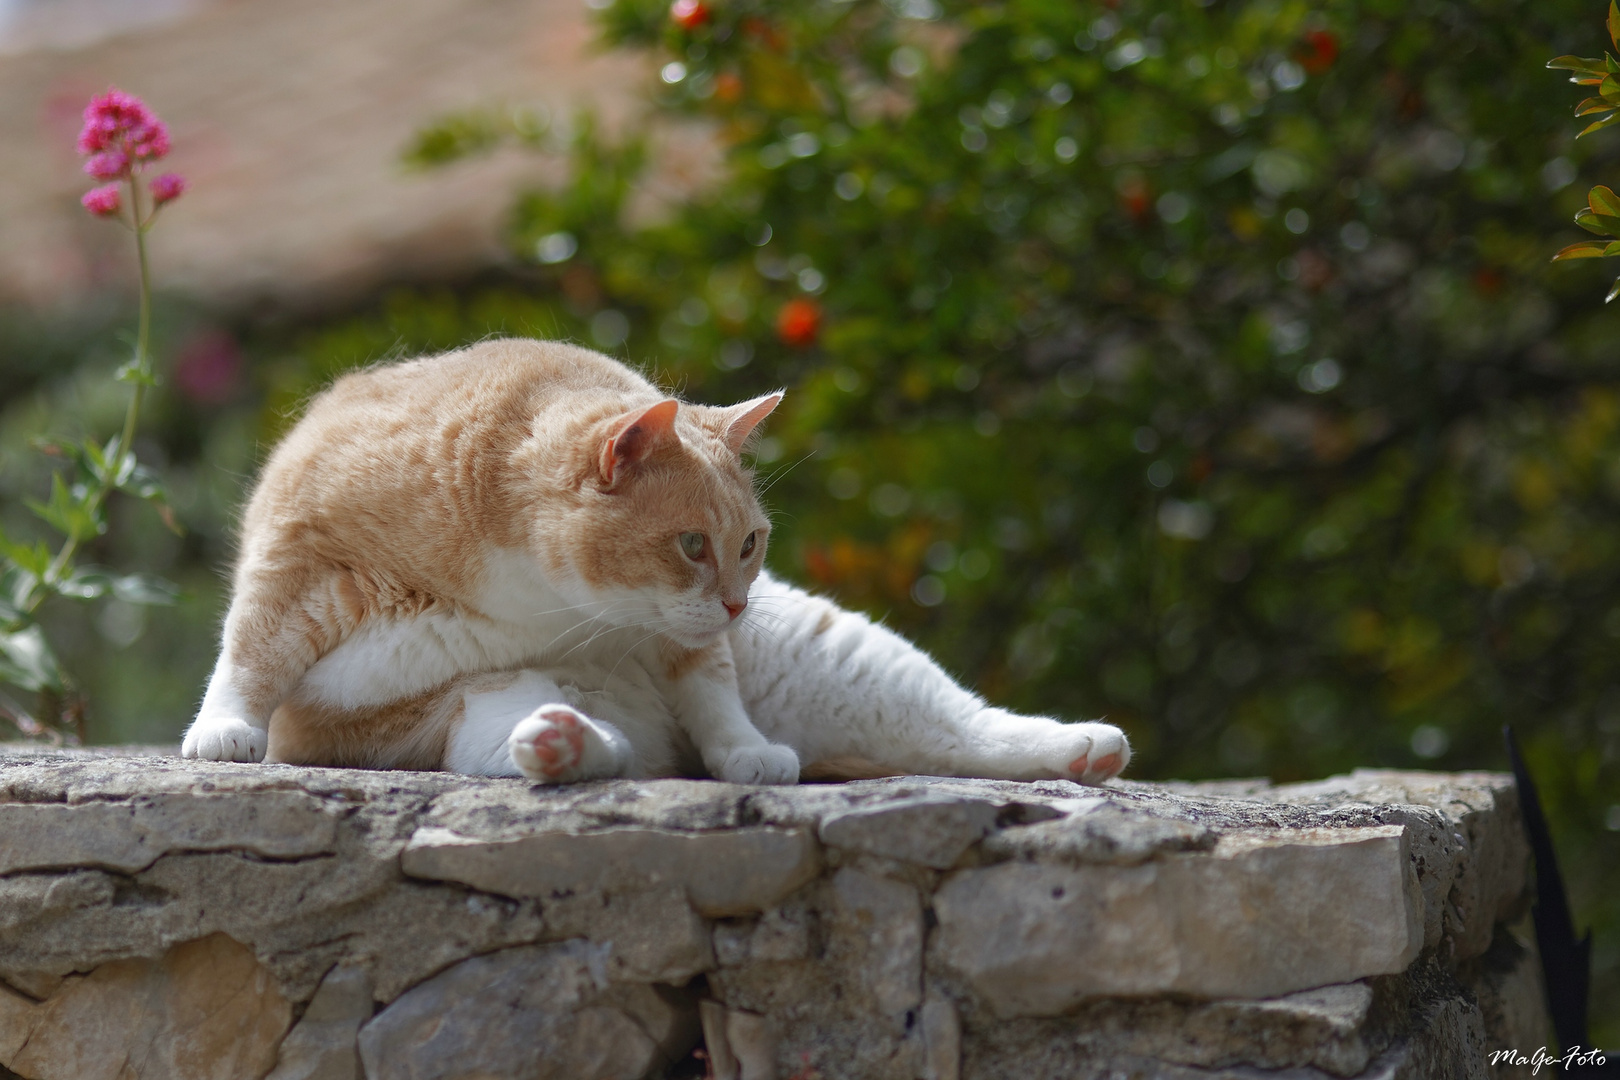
[90,582]
[1609,89]
[85,583]
[12,617]
[1586,249]
[72,511]
[1599,224]
[143,483]
[133,371]
[17,590]
[96,458]
[26,660]
[1603,200]
[454,137]
[1591,105]
[1613,23]
[1576,63]
[33,558]
[145,589]
[1614,291]
[1607,121]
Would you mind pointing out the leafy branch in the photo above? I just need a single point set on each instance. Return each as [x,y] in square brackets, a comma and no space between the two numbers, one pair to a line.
[1601,215]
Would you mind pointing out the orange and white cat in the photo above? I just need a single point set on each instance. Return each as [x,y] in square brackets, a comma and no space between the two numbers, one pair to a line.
[522,558]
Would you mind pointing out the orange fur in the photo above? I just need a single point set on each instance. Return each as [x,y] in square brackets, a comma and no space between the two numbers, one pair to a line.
[388,497]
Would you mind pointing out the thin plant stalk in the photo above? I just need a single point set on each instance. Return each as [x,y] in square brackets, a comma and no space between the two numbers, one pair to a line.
[126,440]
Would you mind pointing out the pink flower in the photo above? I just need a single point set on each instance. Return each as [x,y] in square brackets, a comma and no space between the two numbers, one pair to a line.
[108,165]
[122,123]
[167,188]
[103,201]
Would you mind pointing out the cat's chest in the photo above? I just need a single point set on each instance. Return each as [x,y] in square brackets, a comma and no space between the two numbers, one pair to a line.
[513,618]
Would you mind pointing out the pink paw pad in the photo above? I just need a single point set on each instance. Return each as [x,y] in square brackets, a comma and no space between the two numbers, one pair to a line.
[1085,770]
[560,746]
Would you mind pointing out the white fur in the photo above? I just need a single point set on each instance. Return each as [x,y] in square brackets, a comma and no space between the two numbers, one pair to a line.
[830,683]
[813,683]
[224,730]
[499,730]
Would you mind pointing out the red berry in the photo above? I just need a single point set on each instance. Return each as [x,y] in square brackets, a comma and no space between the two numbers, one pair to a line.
[799,323]
[1321,49]
[689,14]
[728,87]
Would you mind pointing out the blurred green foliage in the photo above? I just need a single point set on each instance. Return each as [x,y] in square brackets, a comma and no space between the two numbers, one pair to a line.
[1201,367]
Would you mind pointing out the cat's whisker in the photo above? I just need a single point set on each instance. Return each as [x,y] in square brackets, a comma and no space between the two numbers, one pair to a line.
[634,646]
[555,611]
[777,476]
[586,642]
[564,635]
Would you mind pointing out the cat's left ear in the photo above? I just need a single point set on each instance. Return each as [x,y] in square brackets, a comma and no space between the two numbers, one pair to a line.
[741,420]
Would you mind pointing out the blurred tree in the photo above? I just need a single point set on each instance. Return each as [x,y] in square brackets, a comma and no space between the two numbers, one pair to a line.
[1197,365]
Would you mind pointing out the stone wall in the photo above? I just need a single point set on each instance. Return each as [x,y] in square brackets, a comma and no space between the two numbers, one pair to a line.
[170,919]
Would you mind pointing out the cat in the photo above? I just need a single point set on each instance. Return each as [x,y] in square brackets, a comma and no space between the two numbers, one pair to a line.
[523,559]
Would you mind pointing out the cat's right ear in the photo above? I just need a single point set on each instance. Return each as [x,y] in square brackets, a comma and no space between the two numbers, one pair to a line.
[637,435]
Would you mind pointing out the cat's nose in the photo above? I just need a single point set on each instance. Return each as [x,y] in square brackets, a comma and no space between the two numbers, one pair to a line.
[735,609]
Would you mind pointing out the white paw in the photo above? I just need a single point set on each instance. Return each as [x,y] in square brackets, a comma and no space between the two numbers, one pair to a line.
[224,739]
[559,745]
[768,764]
[1093,753]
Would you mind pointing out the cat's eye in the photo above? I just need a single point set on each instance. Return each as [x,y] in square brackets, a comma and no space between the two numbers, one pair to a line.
[693,544]
[748,546]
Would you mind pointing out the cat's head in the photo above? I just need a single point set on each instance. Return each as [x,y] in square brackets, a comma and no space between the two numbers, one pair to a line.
[665,530]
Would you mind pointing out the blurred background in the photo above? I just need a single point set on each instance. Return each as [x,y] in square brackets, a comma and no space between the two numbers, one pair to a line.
[1196,365]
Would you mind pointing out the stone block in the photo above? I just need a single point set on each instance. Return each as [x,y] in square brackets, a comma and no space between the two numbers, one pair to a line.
[651,936]
[1259,916]
[740,1044]
[876,928]
[324,1044]
[723,873]
[929,831]
[130,836]
[536,1012]
[205,1010]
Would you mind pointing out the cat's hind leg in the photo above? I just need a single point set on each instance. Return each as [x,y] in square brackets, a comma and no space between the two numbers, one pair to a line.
[853,698]
[528,728]
[997,743]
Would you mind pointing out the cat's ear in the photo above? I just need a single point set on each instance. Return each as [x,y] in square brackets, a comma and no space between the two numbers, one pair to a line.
[741,420]
[636,435]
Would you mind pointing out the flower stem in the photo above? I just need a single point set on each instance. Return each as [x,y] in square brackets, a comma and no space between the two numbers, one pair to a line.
[126,440]
[142,361]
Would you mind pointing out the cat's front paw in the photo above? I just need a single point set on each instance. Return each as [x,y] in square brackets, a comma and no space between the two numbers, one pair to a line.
[1096,752]
[557,744]
[768,764]
[224,739]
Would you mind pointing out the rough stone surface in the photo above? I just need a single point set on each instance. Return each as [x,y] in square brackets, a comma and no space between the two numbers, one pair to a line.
[421,925]
[205,1009]
[1256,917]
[722,873]
[540,1011]
[323,1044]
